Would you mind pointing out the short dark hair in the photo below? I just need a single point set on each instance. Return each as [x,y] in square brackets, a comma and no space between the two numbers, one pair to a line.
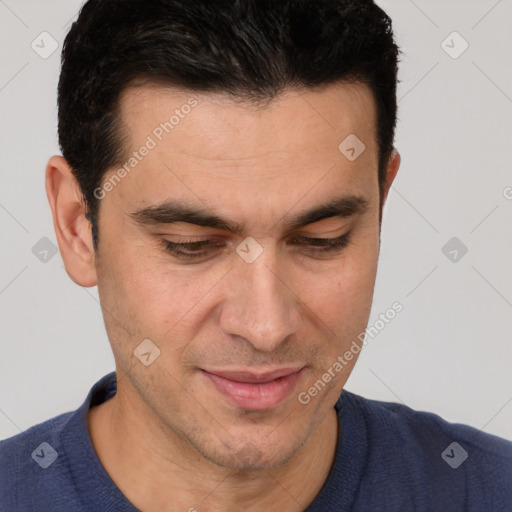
[249,49]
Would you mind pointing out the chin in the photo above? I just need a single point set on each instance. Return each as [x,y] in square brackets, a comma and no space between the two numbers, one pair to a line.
[250,456]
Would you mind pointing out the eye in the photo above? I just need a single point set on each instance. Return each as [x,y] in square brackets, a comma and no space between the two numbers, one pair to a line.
[190,250]
[324,245]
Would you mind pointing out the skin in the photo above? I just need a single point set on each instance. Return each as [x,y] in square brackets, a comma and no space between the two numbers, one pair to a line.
[288,307]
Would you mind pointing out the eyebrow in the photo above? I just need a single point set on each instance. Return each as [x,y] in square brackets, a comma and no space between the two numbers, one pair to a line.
[172,211]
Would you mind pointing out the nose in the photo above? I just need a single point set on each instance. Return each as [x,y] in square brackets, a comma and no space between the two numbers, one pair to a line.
[260,305]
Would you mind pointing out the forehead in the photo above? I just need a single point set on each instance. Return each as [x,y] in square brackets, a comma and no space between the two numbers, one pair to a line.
[240,158]
[297,120]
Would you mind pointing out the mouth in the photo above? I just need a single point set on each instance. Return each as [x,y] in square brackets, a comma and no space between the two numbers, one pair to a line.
[256,391]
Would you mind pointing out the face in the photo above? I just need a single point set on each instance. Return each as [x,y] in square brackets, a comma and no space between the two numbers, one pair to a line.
[270,286]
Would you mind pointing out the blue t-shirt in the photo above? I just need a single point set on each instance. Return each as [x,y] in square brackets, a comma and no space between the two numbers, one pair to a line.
[389,458]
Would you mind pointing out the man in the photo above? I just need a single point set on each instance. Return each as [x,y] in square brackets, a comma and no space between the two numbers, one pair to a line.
[224,171]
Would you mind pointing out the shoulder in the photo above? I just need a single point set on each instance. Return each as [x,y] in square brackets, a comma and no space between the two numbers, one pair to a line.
[402,419]
[48,466]
[26,460]
[412,426]
[421,450]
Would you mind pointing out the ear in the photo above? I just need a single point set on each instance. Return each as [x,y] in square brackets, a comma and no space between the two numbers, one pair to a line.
[391,172]
[72,229]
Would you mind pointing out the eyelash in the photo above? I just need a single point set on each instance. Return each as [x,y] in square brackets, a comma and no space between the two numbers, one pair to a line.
[317,246]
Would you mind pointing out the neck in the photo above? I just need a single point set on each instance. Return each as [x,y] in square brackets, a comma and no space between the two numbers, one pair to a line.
[162,472]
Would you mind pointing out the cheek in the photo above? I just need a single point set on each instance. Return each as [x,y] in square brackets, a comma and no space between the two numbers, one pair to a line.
[351,278]
[342,297]
[132,288]
[345,303]
[157,299]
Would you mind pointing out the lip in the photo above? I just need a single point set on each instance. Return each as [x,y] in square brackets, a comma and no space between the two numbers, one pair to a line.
[255,390]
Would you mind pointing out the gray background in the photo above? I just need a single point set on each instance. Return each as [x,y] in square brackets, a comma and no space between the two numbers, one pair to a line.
[449,351]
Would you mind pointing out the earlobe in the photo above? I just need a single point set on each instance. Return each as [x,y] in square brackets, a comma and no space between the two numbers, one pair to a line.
[72,229]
